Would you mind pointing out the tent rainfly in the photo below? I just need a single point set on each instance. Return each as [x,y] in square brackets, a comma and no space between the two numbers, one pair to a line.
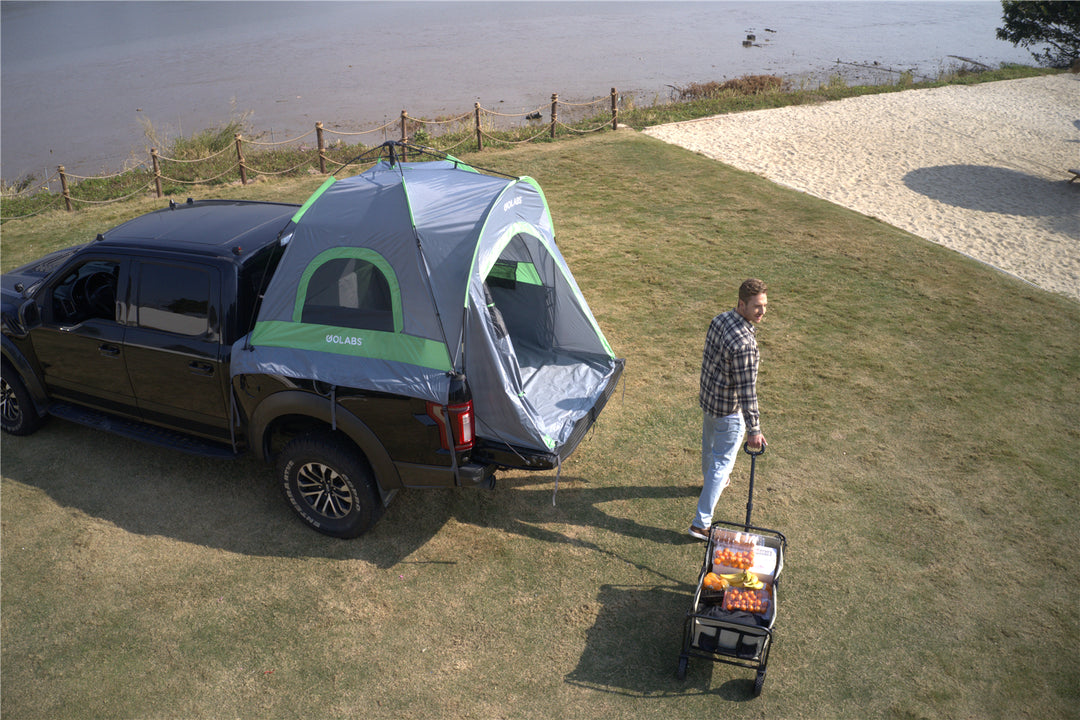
[397,279]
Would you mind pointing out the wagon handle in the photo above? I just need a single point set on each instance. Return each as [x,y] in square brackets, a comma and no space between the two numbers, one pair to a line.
[752,453]
[750,498]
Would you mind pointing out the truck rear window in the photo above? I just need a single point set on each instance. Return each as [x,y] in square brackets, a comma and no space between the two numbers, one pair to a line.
[174,298]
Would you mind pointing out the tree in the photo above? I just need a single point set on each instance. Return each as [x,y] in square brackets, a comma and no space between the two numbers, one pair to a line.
[1056,24]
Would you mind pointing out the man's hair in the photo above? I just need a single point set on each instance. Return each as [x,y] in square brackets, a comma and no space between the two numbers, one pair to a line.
[751,288]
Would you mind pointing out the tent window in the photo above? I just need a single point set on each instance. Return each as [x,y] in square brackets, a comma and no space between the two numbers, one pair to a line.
[349,292]
[520,305]
[508,273]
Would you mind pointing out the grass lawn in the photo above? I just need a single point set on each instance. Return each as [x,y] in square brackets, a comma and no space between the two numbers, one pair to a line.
[923,415]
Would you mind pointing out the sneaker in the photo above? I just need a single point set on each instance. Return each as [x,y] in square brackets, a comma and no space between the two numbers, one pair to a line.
[696,532]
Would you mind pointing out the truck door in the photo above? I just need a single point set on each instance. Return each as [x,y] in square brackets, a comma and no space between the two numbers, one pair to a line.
[79,343]
[173,346]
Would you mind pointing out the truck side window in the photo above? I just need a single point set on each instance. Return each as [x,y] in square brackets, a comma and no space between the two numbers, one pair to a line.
[87,292]
[174,298]
[349,292]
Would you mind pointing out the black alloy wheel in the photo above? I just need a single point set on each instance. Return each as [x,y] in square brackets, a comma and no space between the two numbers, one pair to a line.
[329,485]
[17,415]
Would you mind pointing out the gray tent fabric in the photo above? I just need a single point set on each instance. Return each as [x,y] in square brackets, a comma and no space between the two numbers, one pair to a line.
[396,278]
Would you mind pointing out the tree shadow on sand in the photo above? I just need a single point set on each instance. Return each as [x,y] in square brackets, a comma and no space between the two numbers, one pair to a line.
[1002,190]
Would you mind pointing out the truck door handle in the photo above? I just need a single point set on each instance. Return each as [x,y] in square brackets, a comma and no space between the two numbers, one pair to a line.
[201,368]
[109,350]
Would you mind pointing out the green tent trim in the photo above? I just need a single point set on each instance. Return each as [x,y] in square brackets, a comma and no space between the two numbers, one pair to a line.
[374,344]
[314,196]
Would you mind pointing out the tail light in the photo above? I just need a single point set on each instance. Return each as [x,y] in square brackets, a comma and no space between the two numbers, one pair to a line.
[454,421]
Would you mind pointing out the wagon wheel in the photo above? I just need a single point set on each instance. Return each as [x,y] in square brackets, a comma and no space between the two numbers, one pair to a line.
[759,682]
[681,672]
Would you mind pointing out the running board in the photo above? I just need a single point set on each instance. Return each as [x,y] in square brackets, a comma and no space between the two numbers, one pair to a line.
[142,432]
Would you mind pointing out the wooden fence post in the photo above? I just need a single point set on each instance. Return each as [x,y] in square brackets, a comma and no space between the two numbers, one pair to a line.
[64,186]
[157,170]
[554,112]
[322,149]
[240,159]
[479,134]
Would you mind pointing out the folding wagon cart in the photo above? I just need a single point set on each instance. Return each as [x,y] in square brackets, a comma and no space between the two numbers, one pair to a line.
[734,608]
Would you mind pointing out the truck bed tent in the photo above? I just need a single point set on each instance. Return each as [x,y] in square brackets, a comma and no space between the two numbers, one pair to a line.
[393,279]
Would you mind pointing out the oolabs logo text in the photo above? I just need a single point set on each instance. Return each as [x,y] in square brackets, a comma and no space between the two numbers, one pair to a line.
[344,340]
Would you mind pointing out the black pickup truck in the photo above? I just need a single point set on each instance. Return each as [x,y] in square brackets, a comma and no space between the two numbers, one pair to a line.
[133,332]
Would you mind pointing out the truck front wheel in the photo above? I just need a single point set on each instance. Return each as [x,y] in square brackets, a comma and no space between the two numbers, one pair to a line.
[17,415]
[329,485]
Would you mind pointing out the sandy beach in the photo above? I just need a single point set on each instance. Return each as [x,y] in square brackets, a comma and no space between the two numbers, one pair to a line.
[981,169]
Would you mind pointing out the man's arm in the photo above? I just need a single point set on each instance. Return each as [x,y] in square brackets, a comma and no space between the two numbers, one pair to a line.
[746,370]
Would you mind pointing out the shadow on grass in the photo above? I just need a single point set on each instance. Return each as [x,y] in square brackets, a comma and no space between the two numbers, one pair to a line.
[235,505]
[633,648]
[577,501]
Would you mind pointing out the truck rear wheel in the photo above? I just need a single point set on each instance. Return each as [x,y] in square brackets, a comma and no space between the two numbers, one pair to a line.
[329,485]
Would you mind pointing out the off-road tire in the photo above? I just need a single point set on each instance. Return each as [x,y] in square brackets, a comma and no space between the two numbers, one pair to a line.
[329,485]
[17,413]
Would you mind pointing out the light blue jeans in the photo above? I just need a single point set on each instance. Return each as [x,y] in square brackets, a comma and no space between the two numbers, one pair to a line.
[721,439]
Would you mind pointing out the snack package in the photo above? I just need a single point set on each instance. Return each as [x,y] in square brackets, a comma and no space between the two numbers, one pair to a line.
[732,537]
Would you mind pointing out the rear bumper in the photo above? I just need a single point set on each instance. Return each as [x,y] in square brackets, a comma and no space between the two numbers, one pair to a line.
[473,475]
[470,474]
[513,457]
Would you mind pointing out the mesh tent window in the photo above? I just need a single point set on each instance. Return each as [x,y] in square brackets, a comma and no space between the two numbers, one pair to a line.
[349,288]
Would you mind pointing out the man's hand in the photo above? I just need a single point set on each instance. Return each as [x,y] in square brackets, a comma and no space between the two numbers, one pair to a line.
[756,441]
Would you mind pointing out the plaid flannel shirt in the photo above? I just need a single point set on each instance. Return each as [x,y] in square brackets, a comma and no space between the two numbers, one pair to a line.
[729,370]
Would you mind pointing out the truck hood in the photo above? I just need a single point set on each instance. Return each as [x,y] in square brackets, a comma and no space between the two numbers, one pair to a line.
[30,274]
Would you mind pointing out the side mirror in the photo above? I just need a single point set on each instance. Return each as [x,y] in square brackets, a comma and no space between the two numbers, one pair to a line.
[29,316]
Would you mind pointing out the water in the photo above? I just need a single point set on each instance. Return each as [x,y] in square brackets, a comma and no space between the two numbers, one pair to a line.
[80,80]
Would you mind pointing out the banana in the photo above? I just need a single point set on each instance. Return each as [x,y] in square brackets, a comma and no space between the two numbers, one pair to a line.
[744,579]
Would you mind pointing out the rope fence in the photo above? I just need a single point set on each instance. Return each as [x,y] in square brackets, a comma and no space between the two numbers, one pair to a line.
[475,128]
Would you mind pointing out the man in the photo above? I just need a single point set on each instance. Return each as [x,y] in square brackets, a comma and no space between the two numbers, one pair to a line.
[728,397]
